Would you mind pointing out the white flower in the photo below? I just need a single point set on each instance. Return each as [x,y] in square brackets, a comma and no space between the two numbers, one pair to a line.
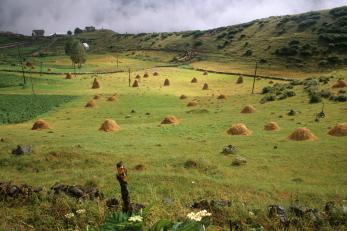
[199,215]
[69,215]
[250,213]
[135,218]
[81,211]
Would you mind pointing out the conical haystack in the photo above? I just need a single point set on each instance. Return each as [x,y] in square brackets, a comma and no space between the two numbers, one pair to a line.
[96,84]
[170,120]
[155,74]
[271,126]
[112,98]
[248,109]
[205,87]
[302,134]
[91,103]
[68,76]
[194,80]
[109,125]
[205,73]
[40,124]
[221,96]
[239,80]
[166,82]
[192,104]
[183,97]
[138,76]
[135,83]
[97,97]
[339,130]
[340,84]
[145,75]
[239,129]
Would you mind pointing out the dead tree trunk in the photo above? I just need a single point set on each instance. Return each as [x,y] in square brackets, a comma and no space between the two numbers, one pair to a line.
[123,182]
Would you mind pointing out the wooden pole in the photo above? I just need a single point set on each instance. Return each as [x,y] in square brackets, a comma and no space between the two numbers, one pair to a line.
[123,182]
[255,75]
[129,77]
[40,68]
[21,62]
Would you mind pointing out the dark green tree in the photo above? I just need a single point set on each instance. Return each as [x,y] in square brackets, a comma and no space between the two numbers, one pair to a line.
[78,30]
[69,32]
[78,54]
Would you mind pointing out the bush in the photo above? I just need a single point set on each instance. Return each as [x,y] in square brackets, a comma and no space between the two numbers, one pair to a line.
[198,43]
[267,89]
[325,93]
[341,98]
[295,82]
[315,98]
[248,52]
[286,51]
[290,93]
[306,23]
[267,98]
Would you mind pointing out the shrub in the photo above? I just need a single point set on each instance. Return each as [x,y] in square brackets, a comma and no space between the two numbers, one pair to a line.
[295,82]
[325,93]
[248,52]
[198,43]
[268,98]
[306,23]
[315,98]
[341,98]
[267,89]
[282,96]
[290,93]
[286,51]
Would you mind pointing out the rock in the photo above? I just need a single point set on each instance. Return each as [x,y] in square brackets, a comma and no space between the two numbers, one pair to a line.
[210,205]
[291,113]
[22,149]
[239,161]
[75,191]
[276,211]
[230,149]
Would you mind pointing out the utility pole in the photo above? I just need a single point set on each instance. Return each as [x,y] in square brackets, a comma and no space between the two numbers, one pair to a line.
[255,75]
[21,62]
[129,77]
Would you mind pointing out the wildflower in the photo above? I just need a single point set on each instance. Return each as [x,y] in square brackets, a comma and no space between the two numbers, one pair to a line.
[69,215]
[199,215]
[250,213]
[136,218]
[81,211]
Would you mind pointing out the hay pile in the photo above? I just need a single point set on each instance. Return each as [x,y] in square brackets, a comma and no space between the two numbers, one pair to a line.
[248,109]
[192,104]
[97,97]
[221,96]
[166,82]
[155,74]
[112,98]
[96,84]
[271,126]
[302,134]
[340,84]
[239,129]
[183,97]
[170,120]
[91,103]
[339,130]
[68,76]
[239,80]
[138,76]
[145,75]
[205,73]
[194,80]
[49,69]
[135,83]
[109,125]
[139,167]
[40,124]
[205,87]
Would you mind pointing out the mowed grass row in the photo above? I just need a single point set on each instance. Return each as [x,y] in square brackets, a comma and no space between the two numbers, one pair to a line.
[311,171]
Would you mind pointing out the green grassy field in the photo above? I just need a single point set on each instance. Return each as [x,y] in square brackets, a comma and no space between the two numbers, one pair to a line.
[74,151]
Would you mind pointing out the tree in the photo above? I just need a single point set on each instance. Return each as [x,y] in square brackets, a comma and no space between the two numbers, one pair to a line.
[78,53]
[69,32]
[68,46]
[78,30]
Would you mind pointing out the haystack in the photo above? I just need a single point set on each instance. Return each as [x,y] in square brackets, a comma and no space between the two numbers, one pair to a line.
[205,73]
[239,129]
[109,125]
[166,82]
[183,97]
[97,97]
[248,109]
[192,104]
[145,75]
[339,130]
[138,76]
[239,80]
[194,80]
[302,134]
[205,87]
[221,96]
[112,98]
[155,74]
[340,84]
[271,126]
[68,76]
[40,124]
[135,84]
[96,84]
[91,103]
[49,69]
[170,120]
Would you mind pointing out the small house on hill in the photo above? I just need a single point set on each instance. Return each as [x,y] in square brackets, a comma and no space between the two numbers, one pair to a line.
[90,28]
[38,33]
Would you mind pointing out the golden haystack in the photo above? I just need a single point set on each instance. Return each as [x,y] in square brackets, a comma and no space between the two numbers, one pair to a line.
[109,125]
[145,75]
[271,126]
[96,84]
[340,84]
[248,109]
[194,80]
[97,97]
[135,84]
[170,120]
[221,96]
[40,124]
[183,97]
[138,76]
[166,82]
[339,130]
[155,74]
[68,76]
[239,80]
[205,87]
[192,104]
[112,98]
[205,73]
[302,134]
[91,103]
[239,129]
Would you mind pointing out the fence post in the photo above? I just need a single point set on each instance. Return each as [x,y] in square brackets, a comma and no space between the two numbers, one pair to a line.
[123,182]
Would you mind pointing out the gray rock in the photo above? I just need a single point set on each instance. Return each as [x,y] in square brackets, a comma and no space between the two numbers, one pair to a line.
[239,161]
[230,149]
[22,149]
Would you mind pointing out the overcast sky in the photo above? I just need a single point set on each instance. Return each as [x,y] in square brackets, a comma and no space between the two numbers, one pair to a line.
[134,16]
